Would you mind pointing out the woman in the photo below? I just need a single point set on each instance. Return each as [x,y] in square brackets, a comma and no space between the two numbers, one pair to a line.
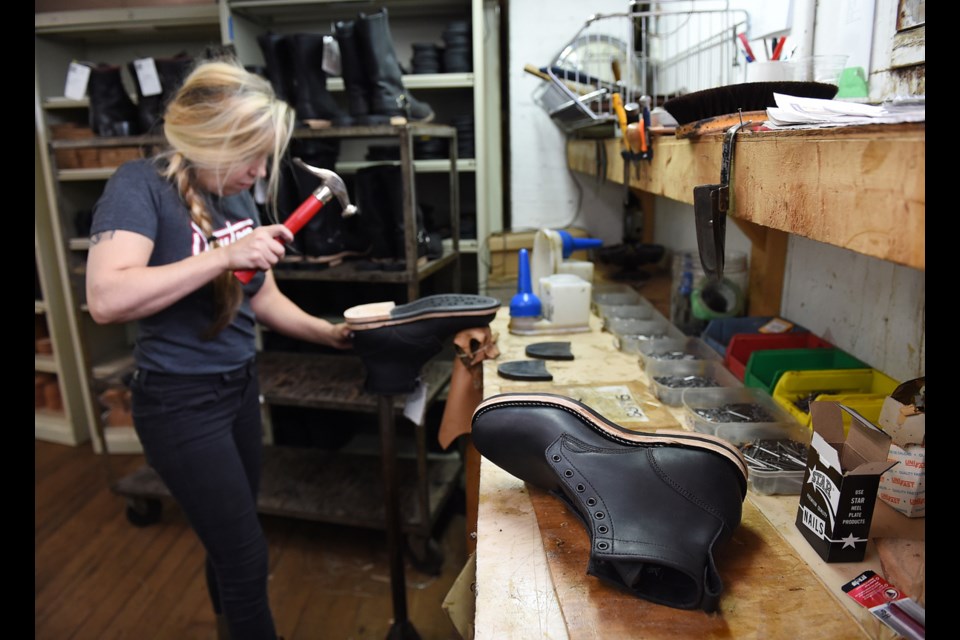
[167,235]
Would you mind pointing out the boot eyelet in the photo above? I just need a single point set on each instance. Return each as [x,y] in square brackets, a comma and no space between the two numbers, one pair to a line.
[602,546]
[556,458]
[581,488]
[568,473]
[599,515]
[602,529]
[591,502]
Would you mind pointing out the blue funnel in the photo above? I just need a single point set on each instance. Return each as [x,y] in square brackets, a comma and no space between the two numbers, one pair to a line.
[571,244]
[524,304]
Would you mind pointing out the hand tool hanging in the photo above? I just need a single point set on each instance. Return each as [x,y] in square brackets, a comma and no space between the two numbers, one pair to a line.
[331,186]
[631,204]
[710,205]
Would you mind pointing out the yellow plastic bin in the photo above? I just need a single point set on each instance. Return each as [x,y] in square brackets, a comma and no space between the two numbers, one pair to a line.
[863,390]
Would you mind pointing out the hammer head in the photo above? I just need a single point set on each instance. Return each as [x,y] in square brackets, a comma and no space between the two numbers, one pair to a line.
[331,181]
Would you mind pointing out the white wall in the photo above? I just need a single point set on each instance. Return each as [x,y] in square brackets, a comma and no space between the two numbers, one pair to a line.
[873,309]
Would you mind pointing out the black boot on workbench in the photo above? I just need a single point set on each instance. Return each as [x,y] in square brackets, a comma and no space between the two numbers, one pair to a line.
[656,505]
[395,341]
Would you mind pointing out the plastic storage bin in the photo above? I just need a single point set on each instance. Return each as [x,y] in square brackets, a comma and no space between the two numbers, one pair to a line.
[742,345]
[863,390]
[630,333]
[781,430]
[673,377]
[672,349]
[764,368]
[619,294]
[720,330]
[642,310]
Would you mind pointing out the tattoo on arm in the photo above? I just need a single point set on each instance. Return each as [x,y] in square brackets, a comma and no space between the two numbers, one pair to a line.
[103,235]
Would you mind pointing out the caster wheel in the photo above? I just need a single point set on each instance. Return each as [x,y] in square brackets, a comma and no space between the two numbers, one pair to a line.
[143,512]
[425,555]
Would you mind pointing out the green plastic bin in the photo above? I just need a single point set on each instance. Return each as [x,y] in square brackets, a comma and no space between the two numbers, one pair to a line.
[765,367]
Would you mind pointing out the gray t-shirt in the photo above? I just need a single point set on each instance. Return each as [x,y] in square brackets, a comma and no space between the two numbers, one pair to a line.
[138,199]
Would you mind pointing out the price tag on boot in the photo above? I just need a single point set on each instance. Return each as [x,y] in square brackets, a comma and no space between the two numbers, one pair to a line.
[147,77]
[416,407]
[331,56]
[78,75]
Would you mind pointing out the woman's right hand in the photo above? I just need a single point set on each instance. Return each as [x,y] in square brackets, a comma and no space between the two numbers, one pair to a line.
[260,249]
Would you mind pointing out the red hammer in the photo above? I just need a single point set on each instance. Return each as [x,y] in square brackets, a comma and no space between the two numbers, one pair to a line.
[331,185]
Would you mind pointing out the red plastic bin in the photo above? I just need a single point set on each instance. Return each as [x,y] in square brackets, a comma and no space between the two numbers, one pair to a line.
[743,344]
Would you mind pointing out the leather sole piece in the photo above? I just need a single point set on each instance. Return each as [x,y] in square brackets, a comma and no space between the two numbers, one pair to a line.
[375,315]
[615,433]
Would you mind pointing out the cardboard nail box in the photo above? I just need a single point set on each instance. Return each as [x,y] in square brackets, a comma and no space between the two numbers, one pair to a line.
[840,482]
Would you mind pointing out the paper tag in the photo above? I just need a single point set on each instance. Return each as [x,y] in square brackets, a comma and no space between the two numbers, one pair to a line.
[147,77]
[415,408]
[78,75]
[331,56]
[776,325]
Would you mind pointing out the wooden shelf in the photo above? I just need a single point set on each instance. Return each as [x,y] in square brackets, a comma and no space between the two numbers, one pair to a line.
[859,188]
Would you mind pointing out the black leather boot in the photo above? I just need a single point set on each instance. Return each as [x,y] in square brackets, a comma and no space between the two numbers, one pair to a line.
[376,211]
[278,59]
[112,112]
[312,102]
[171,73]
[656,505]
[388,97]
[394,342]
[355,81]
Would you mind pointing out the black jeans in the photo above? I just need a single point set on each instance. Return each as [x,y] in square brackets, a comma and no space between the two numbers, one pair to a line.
[203,435]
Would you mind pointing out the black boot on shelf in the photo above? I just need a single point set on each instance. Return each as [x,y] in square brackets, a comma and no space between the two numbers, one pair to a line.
[171,73]
[313,103]
[112,112]
[388,97]
[356,84]
[376,213]
[328,238]
[395,341]
[656,505]
[278,59]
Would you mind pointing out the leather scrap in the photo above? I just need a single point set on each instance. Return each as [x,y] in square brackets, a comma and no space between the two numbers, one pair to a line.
[472,347]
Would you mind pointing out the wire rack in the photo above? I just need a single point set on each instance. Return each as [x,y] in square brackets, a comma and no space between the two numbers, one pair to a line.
[647,56]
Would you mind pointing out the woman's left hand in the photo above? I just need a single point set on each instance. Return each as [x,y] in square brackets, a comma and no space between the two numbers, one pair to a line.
[341,337]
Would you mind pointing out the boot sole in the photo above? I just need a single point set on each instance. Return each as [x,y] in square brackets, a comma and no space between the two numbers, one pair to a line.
[375,315]
[614,432]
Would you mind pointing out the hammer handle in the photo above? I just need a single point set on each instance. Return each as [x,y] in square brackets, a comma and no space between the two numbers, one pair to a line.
[300,216]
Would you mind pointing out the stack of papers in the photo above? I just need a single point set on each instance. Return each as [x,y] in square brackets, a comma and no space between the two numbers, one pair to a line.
[793,112]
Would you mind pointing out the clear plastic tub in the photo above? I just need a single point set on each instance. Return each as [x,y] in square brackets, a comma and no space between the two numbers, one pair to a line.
[781,427]
[749,402]
[641,311]
[630,333]
[618,294]
[673,377]
[671,349]
[780,483]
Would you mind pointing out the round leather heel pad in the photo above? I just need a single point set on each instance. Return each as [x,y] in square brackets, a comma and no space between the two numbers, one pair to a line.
[550,351]
[524,370]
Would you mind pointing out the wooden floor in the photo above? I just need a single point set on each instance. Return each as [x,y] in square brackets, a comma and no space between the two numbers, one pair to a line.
[98,577]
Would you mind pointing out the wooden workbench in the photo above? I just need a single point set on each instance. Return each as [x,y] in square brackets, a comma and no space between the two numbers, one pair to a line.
[532,553]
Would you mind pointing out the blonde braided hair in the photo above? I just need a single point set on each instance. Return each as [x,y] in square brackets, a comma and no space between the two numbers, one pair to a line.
[222,118]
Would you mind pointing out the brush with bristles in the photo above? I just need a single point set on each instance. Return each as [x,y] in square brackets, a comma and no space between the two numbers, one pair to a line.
[693,108]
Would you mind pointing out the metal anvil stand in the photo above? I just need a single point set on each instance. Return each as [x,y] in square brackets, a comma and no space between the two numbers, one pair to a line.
[402,628]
